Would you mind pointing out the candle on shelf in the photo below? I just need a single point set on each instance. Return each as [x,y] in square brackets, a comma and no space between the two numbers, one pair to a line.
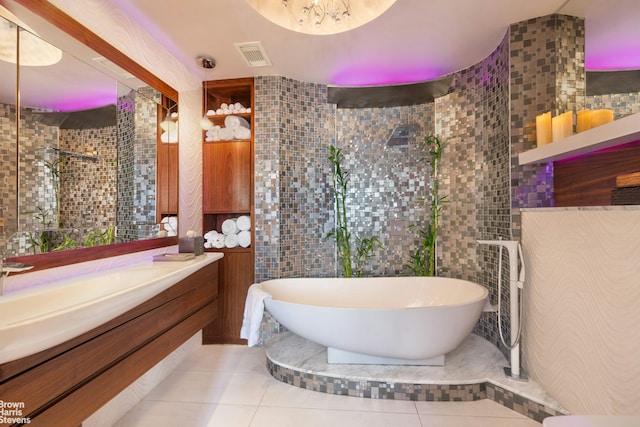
[583,120]
[543,129]
[600,117]
[562,126]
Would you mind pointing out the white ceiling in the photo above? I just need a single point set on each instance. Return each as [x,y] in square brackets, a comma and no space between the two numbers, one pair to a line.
[415,40]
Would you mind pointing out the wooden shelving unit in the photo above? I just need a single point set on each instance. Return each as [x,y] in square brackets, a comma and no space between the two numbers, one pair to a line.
[618,132]
[228,169]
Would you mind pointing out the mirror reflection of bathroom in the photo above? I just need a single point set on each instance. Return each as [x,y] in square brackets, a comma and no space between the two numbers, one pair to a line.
[79,163]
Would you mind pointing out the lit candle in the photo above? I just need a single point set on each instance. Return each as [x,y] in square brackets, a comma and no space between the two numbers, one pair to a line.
[562,126]
[543,129]
[583,120]
[600,117]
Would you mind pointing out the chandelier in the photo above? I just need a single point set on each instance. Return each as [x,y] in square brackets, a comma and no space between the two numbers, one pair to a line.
[320,16]
[315,11]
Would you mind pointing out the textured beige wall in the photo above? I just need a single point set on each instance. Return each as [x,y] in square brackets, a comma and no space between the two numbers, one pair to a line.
[582,307]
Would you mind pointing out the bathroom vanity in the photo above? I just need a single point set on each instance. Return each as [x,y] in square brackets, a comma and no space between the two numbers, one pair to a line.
[66,383]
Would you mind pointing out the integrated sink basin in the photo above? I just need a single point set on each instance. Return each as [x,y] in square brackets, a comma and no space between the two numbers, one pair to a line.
[41,317]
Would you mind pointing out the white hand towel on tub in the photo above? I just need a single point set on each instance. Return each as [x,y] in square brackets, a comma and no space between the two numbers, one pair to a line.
[243,222]
[244,238]
[253,312]
[229,226]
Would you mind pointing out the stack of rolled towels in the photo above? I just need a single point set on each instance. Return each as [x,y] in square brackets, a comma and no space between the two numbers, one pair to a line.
[235,232]
[235,127]
[225,108]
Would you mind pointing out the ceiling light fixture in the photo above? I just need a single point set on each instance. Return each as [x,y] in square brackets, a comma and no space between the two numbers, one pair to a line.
[320,16]
[33,50]
[315,11]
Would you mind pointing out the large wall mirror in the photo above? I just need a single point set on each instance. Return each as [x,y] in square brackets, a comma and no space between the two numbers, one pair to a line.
[89,150]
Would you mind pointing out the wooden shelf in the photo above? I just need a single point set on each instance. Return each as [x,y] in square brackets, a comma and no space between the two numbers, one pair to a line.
[231,250]
[618,132]
[226,140]
[227,184]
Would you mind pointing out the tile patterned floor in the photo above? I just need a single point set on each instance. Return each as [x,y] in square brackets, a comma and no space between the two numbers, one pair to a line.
[226,385]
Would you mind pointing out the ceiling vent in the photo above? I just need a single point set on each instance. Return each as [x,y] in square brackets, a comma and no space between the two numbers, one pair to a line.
[253,53]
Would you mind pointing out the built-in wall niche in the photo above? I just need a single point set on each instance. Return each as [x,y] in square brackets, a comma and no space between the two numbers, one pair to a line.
[587,165]
[80,140]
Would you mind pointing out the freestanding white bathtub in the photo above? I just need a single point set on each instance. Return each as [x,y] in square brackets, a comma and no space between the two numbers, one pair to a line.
[381,320]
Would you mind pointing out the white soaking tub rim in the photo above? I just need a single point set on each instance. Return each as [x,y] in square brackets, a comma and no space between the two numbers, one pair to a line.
[474,293]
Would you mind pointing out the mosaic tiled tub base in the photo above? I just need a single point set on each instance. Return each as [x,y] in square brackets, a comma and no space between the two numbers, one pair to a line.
[301,363]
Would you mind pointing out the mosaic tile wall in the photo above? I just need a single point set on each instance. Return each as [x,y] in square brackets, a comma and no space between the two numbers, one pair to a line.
[84,181]
[146,128]
[294,210]
[267,176]
[473,120]
[88,184]
[8,146]
[547,74]
[622,104]
[137,127]
[389,186]
[35,180]
[485,121]
[126,167]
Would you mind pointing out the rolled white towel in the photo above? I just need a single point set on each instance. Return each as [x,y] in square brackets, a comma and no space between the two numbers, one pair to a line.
[218,243]
[229,226]
[244,238]
[238,106]
[219,111]
[241,133]
[231,240]
[224,105]
[243,223]
[236,121]
[210,234]
[170,224]
[226,134]
[169,137]
[208,245]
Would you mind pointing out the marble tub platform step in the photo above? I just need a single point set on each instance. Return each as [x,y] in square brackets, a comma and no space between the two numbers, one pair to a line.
[473,371]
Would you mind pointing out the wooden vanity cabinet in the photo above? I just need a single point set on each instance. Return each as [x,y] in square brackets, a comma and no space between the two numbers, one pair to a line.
[228,170]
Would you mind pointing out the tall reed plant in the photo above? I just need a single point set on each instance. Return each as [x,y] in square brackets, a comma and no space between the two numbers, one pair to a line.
[423,261]
[365,248]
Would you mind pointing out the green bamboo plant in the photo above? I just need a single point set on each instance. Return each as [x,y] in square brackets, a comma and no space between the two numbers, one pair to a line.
[365,247]
[423,261]
[56,170]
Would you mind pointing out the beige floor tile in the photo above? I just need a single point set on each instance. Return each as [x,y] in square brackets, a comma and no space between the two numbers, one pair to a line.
[460,421]
[296,417]
[239,388]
